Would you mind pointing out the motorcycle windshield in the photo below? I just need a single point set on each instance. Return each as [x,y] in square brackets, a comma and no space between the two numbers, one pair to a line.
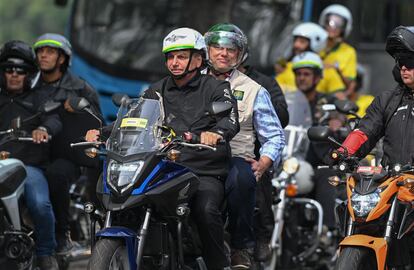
[136,129]
[300,120]
[299,109]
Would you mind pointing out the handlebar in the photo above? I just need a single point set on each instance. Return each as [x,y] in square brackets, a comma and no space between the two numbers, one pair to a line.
[195,139]
[198,145]
[85,144]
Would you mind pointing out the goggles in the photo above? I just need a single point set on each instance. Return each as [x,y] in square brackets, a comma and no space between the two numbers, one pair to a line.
[18,70]
[406,62]
[335,22]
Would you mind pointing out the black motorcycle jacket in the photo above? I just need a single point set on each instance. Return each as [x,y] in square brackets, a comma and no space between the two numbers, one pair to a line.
[185,109]
[25,105]
[390,115]
[75,124]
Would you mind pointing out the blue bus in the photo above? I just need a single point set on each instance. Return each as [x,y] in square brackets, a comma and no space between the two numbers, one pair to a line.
[117,43]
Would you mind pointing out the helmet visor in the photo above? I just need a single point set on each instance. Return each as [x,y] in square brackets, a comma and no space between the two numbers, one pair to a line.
[335,22]
[225,39]
[405,60]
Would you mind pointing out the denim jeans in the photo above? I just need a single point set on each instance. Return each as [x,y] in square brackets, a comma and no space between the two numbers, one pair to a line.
[36,193]
[241,196]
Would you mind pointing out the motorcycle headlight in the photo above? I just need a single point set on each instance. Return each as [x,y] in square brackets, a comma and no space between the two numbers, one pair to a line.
[291,165]
[121,176]
[363,204]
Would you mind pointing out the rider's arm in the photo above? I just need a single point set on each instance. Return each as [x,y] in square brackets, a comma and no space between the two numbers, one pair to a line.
[370,129]
[226,126]
[268,128]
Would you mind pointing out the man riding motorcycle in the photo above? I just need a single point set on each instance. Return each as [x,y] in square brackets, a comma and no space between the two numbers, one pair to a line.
[185,95]
[18,99]
[390,115]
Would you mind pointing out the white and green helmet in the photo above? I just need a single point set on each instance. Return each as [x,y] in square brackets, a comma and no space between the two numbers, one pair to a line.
[307,60]
[54,41]
[184,39]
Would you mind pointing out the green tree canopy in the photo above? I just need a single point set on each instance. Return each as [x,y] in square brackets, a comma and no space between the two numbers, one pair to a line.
[27,19]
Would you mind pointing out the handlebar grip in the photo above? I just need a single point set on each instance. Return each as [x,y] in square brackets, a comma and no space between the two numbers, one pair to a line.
[194,138]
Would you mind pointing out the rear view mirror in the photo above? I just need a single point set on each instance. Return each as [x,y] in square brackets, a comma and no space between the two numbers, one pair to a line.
[318,133]
[119,98]
[217,108]
[346,106]
[79,104]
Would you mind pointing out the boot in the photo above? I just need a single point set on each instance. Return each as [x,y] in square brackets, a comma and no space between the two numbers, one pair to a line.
[64,243]
[48,262]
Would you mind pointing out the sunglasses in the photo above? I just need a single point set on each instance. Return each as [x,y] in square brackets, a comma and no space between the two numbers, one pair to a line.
[18,70]
[406,62]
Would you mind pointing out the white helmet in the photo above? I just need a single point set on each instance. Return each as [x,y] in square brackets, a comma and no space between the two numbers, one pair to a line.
[184,39]
[339,10]
[307,60]
[316,34]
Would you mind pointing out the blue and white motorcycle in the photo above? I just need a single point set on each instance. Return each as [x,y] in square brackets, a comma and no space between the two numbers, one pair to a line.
[145,194]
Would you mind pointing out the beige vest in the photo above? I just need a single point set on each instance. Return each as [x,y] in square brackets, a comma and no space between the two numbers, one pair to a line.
[245,91]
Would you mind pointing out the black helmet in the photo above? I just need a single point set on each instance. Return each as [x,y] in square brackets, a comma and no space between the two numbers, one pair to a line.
[400,41]
[17,54]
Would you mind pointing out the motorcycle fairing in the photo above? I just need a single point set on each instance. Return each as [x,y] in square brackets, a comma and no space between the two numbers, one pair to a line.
[128,235]
[378,244]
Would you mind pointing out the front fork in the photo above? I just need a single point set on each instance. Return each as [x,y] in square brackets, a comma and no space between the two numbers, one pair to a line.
[142,237]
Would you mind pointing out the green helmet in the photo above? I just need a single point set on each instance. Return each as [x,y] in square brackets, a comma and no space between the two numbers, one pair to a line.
[228,35]
[54,41]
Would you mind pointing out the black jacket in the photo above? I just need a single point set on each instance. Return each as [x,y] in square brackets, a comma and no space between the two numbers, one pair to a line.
[75,125]
[390,115]
[276,95]
[25,105]
[184,109]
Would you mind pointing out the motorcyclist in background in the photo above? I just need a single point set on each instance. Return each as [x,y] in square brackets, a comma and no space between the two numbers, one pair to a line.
[18,99]
[227,46]
[307,36]
[186,95]
[308,70]
[53,55]
[339,55]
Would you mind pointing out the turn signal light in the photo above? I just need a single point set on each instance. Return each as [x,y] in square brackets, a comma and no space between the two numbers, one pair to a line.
[173,154]
[409,183]
[4,155]
[291,190]
[334,180]
[91,152]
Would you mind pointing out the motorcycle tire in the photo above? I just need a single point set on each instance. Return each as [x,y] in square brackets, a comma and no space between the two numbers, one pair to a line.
[109,254]
[356,258]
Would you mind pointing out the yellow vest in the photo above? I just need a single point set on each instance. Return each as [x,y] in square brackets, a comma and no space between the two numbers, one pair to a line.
[286,79]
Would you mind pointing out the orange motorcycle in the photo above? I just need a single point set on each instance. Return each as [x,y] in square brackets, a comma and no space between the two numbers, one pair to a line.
[378,215]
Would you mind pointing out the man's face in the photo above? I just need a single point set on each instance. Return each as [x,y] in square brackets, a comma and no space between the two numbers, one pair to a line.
[407,75]
[177,61]
[223,59]
[306,79]
[15,79]
[49,58]
[300,44]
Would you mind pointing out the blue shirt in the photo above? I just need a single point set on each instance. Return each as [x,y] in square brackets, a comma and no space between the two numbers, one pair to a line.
[268,128]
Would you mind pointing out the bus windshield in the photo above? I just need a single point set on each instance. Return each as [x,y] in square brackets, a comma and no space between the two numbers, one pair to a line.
[126,35]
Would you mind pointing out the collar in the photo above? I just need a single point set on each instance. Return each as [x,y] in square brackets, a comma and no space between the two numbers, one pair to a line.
[193,83]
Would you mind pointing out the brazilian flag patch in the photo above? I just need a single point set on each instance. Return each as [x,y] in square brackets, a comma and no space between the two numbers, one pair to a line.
[238,94]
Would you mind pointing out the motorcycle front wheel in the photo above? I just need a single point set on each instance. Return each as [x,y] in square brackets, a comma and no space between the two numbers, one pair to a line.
[109,254]
[356,258]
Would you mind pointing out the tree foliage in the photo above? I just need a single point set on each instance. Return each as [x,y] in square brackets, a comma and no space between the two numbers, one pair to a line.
[27,19]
